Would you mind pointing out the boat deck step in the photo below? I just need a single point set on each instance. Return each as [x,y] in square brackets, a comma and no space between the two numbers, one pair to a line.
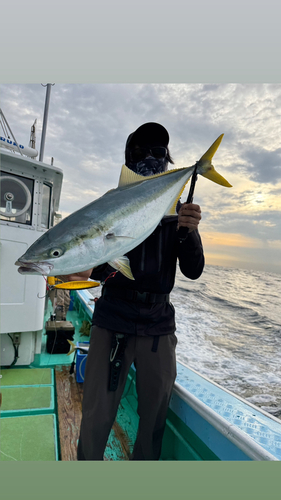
[27,391]
[18,401]
[28,420]
[29,438]
[26,376]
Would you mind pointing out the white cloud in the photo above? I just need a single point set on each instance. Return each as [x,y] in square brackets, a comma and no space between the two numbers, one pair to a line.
[88,126]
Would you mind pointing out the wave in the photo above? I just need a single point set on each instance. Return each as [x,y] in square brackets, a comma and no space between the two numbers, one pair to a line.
[228,327]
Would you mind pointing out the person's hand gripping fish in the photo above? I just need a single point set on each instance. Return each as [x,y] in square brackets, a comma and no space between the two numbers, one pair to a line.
[189,216]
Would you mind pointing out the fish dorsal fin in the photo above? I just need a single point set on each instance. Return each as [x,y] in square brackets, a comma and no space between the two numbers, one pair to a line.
[127,176]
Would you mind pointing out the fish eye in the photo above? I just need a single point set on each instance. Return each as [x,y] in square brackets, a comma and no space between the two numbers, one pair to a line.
[56,252]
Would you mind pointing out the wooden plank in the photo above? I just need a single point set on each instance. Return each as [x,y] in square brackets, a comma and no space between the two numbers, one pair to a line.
[123,440]
[69,401]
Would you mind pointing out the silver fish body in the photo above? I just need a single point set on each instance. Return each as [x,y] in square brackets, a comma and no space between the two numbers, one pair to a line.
[111,226]
[106,229]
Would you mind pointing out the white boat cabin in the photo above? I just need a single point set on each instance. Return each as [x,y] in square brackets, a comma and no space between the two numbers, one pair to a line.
[30,193]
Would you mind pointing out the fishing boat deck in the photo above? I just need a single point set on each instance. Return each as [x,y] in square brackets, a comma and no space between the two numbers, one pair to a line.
[69,408]
[42,408]
[45,399]
[69,397]
[41,416]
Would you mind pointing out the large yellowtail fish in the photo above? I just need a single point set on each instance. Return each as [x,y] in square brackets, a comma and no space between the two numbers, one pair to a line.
[114,224]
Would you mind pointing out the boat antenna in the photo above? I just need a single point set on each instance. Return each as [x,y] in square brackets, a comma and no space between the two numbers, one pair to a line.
[45,119]
[32,141]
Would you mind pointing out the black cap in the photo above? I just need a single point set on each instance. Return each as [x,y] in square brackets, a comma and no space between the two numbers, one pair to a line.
[149,133]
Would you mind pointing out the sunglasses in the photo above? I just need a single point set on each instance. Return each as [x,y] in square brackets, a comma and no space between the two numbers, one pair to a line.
[141,153]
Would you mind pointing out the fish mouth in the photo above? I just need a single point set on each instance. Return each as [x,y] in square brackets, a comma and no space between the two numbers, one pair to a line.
[41,268]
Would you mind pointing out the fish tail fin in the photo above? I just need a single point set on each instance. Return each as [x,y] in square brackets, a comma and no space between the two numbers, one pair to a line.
[208,170]
[73,347]
[214,176]
[212,149]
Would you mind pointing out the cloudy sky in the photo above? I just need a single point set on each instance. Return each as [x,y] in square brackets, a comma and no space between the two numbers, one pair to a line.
[89,123]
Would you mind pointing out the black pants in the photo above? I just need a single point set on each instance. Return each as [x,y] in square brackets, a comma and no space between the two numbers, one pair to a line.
[155,376]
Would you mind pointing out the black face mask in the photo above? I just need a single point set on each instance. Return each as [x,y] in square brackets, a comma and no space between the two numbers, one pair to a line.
[149,166]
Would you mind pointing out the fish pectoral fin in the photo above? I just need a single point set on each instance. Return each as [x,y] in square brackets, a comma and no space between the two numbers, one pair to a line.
[122,264]
[73,347]
[113,236]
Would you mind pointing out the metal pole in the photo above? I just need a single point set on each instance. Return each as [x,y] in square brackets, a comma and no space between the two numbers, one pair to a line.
[45,119]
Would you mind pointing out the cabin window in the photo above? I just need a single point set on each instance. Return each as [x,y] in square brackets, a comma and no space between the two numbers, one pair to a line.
[46,205]
[16,198]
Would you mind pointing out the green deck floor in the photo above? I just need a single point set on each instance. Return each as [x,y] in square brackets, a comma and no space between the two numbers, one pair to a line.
[26,399]
[28,421]
[25,376]
[28,438]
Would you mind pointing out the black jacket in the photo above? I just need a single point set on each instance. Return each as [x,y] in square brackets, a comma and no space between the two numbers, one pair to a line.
[153,264]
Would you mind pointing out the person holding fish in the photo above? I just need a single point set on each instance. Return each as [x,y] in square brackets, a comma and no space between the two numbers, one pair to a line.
[134,321]
[135,229]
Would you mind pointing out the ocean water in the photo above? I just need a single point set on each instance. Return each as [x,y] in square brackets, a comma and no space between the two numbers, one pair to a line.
[229,329]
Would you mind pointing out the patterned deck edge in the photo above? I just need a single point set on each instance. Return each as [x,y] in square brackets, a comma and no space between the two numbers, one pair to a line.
[264,429]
